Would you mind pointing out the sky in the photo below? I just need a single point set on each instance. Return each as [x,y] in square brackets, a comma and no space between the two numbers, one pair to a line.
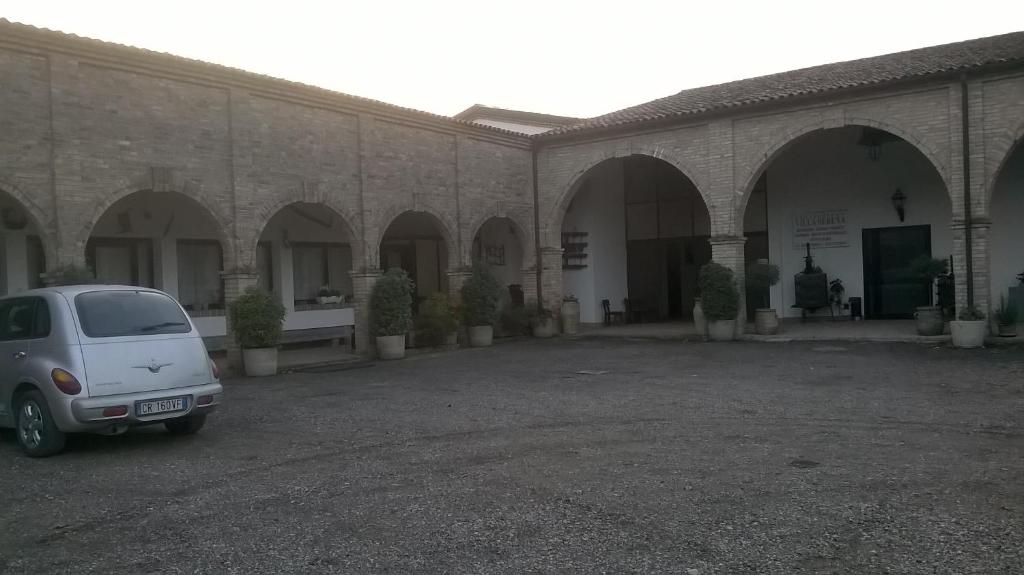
[573,58]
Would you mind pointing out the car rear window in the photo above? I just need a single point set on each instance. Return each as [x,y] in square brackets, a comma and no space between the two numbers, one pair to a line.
[121,312]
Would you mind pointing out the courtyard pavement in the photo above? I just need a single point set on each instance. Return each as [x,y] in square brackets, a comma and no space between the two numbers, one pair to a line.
[585,456]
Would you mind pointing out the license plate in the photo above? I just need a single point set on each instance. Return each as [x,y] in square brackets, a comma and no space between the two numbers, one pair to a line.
[160,406]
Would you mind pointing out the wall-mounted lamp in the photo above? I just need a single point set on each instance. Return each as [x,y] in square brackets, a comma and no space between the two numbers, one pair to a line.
[899,201]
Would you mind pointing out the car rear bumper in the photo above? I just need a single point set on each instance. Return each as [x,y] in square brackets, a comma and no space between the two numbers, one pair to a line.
[86,414]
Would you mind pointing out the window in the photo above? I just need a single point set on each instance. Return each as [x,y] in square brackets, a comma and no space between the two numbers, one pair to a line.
[112,313]
[121,261]
[318,265]
[17,316]
[199,281]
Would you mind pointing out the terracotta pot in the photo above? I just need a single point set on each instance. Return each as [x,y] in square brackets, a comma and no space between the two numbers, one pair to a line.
[699,321]
[260,361]
[968,334]
[929,320]
[480,335]
[722,330]
[391,346]
[766,322]
[570,317]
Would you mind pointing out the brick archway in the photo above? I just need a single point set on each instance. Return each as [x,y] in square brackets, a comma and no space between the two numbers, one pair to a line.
[39,219]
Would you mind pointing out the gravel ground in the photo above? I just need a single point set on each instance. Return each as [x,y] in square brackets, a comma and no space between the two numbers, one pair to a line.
[664,457]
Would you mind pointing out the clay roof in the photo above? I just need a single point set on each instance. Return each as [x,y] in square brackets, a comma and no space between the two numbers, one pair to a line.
[477,111]
[921,63]
[16,32]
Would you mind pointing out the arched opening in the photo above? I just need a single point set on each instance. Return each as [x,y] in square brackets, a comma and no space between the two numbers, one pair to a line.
[499,244]
[24,256]
[164,240]
[635,234]
[867,204]
[1006,239]
[415,242]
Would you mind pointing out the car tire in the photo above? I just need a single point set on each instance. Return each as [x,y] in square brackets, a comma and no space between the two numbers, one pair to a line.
[186,425]
[35,428]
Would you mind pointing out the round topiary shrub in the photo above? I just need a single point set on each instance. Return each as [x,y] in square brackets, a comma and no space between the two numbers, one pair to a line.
[436,320]
[481,296]
[761,276]
[256,318]
[718,294]
[391,304]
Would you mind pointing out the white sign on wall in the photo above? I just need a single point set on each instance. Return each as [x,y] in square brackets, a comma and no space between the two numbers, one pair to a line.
[822,229]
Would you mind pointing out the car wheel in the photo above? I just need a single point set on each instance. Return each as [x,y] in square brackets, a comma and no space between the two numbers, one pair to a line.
[37,433]
[186,425]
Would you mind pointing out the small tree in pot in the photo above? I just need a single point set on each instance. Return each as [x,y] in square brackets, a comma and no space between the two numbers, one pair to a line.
[256,318]
[481,296]
[391,312]
[970,328]
[761,276]
[720,300]
[929,318]
[437,323]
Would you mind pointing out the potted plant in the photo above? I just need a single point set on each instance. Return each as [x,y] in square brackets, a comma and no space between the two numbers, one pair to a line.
[437,323]
[570,315]
[761,276]
[481,296]
[970,329]
[1006,317]
[929,318]
[836,292]
[514,320]
[542,321]
[720,300]
[256,318]
[391,312]
[328,295]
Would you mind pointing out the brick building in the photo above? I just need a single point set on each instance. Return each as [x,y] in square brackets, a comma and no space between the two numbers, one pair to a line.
[203,180]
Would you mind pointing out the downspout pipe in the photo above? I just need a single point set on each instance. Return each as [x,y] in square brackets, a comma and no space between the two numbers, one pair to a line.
[536,228]
[968,227]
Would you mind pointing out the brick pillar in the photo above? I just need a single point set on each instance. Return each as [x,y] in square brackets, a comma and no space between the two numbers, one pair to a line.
[728,251]
[456,278]
[551,278]
[958,228]
[529,282]
[982,257]
[235,284]
[362,285]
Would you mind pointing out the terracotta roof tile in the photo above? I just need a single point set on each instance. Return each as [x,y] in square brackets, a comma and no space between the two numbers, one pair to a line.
[919,63]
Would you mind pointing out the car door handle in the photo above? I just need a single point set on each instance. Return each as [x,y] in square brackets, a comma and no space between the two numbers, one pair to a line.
[20,355]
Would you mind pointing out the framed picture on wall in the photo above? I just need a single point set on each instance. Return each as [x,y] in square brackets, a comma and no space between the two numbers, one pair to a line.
[496,255]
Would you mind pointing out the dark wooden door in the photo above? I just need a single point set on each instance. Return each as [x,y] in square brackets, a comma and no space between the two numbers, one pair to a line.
[891,290]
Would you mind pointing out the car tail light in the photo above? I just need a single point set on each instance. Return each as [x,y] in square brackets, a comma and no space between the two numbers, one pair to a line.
[204,400]
[214,369]
[65,382]
[115,411]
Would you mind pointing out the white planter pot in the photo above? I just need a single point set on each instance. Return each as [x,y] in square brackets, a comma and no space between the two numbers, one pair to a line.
[570,317]
[968,334]
[544,327]
[766,322]
[722,330]
[391,346]
[480,335]
[260,361]
[699,321]
[324,300]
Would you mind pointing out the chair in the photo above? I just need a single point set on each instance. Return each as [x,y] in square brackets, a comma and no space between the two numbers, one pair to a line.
[609,315]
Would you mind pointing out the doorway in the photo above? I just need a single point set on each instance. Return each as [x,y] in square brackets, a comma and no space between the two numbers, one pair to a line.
[891,290]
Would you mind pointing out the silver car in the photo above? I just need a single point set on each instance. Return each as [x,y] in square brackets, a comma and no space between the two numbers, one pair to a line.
[100,359]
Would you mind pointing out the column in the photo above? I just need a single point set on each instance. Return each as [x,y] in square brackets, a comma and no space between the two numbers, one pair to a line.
[958,229]
[362,286]
[981,256]
[728,251]
[456,278]
[235,284]
[551,278]
[529,284]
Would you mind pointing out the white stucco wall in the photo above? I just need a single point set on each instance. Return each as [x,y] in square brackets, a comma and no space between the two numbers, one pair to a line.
[598,210]
[828,171]
[1007,233]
